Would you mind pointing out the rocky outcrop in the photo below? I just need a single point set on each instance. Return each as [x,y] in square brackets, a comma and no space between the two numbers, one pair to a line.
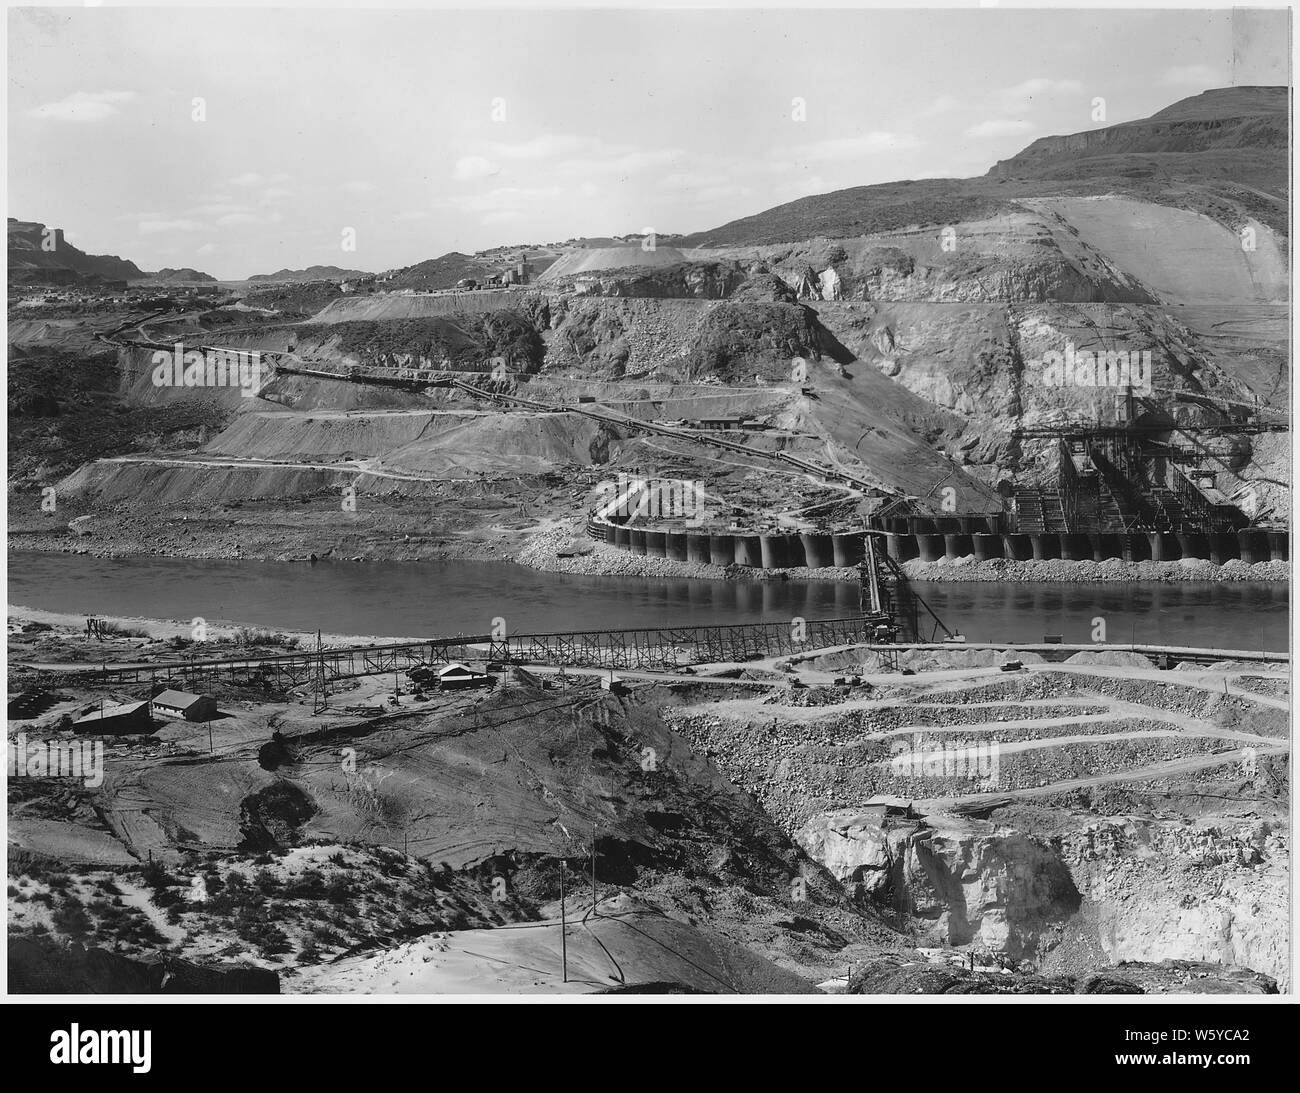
[739,341]
[892,976]
[713,280]
[1167,890]
[957,882]
[34,247]
[1247,122]
[1115,890]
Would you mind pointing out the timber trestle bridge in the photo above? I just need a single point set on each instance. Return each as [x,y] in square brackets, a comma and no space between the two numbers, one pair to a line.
[665,648]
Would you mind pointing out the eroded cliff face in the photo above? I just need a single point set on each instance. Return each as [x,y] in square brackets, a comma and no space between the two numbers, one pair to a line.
[706,280]
[1164,890]
[1030,255]
[956,882]
[1117,889]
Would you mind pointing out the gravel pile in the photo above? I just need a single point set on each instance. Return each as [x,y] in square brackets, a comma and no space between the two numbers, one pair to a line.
[604,560]
[1113,569]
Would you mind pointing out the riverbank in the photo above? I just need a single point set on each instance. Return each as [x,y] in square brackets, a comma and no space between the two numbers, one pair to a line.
[559,550]
[22,620]
[561,546]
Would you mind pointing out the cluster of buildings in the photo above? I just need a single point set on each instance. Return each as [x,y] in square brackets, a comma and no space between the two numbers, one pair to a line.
[138,717]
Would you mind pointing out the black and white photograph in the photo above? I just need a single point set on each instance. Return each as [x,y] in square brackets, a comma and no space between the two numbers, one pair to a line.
[545,504]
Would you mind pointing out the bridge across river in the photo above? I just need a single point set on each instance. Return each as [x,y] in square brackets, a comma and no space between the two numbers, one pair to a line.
[664,648]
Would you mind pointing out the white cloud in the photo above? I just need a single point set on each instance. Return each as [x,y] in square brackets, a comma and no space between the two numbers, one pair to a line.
[158,227]
[582,156]
[505,202]
[501,216]
[217,208]
[800,187]
[234,220]
[944,104]
[720,193]
[254,178]
[275,193]
[1024,93]
[542,147]
[610,159]
[1203,76]
[998,128]
[867,144]
[694,180]
[83,106]
[471,167]
[208,248]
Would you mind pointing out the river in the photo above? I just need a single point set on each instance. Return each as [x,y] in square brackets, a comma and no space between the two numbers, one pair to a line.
[418,599]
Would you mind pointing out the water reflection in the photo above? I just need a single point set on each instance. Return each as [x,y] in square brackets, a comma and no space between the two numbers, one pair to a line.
[424,598]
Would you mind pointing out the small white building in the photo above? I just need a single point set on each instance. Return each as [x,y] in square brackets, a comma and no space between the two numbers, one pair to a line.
[184,706]
[456,675]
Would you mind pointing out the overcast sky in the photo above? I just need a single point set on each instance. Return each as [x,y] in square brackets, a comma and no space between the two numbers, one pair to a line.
[427,132]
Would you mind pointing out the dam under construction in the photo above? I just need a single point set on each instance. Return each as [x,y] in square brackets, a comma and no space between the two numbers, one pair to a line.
[455,588]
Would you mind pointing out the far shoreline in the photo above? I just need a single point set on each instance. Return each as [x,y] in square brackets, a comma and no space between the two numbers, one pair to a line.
[559,552]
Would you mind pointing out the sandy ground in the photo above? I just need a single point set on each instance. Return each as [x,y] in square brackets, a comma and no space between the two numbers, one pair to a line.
[626,944]
[74,625]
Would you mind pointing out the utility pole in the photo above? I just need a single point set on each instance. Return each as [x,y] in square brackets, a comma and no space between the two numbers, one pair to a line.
[209,737]
[564,925]
[593,867]
[318,682]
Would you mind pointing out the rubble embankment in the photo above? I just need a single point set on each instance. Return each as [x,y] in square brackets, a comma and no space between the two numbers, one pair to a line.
[562,551]
[561,547]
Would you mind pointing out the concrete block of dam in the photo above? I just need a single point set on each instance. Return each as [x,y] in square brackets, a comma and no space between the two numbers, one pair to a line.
[1164,546]
[656,544]
[794,550]
[818,550]
[675,546]
[1193,544]
[749,551]
[775,551]
[1106,545]
[957,545]
[1137,547]
[948,525]
[623,538]
[722,549]
[986,546]
[611,534]
[930,547]
[977,524]
[1223,547]
[902,548]
[1278,546]
[1252,545]
[1017,546]
[697,548]
[848,549]
[1046,546]
[920,525]
[1076,547]
[636,540]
